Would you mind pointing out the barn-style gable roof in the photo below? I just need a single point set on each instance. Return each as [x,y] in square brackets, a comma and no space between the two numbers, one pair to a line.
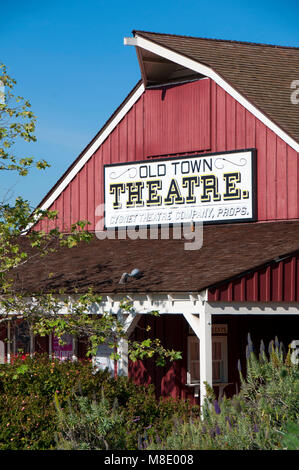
[259,76]
[262,74]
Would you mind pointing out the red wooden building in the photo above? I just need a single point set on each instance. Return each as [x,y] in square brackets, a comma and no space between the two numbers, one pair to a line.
[208,135]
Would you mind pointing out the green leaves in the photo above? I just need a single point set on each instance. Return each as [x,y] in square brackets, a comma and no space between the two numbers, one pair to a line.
[290,440]
[87,425]
[21,370]
[262,416]
[150,348]
[18,223]
[17,122]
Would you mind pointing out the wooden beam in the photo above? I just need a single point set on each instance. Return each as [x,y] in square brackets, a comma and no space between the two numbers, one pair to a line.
[130,324]
[193,321]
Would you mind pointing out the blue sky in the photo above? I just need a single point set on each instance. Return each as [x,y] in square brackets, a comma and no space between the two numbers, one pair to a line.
[69,60]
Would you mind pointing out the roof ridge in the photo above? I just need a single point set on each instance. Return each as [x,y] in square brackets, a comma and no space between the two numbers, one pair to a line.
[215,39]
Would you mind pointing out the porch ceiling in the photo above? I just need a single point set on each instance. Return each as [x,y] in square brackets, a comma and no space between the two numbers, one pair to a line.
[156,69]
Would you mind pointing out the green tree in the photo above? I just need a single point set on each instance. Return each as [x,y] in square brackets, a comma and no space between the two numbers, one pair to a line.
[17,121]
[20,241]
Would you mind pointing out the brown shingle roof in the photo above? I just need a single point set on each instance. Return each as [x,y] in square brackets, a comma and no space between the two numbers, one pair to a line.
[228,250]
[260,72]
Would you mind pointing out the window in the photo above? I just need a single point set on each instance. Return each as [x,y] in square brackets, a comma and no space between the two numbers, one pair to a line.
[219,360]
[64,351]
[22,339]
[23,342]
[193,374]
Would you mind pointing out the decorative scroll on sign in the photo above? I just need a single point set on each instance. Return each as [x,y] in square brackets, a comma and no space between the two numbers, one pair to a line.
[200,188]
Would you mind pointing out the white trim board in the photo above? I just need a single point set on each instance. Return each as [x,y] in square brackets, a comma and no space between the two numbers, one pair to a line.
[190,305]
[191,64]
[175,303]
[253,308]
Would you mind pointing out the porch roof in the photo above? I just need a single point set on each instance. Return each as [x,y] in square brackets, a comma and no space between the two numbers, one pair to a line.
[228,250]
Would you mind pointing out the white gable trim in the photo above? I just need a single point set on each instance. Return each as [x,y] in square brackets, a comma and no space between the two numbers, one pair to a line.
[187,63]
[139,41]
[94,147]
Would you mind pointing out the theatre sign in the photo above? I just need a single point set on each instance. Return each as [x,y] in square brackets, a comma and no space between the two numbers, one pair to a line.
[210,188]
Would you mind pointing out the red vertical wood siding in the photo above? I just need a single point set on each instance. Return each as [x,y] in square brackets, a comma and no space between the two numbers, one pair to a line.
[186,119]
[171,379]
[172,330]
[276,282]
[172,116]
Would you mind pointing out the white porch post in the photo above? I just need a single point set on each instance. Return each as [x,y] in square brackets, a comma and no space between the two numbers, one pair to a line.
[8,341]
[202,327]
[205,348]
[123,361]
[129,325]
[193,320]
[31,347]
[75,349]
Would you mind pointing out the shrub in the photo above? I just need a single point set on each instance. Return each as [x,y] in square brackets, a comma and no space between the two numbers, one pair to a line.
[89,425]
[148,419]
[290,440]
[27,387]
[131,426]
[29,419]
[256,418]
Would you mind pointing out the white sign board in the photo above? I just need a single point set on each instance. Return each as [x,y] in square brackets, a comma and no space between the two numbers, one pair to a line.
[102,359]
[209,188]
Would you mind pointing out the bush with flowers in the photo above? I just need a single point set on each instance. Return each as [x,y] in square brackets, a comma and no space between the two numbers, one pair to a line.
[27,388]
[94,411]
[95,424]
[31,420]
[263,416]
